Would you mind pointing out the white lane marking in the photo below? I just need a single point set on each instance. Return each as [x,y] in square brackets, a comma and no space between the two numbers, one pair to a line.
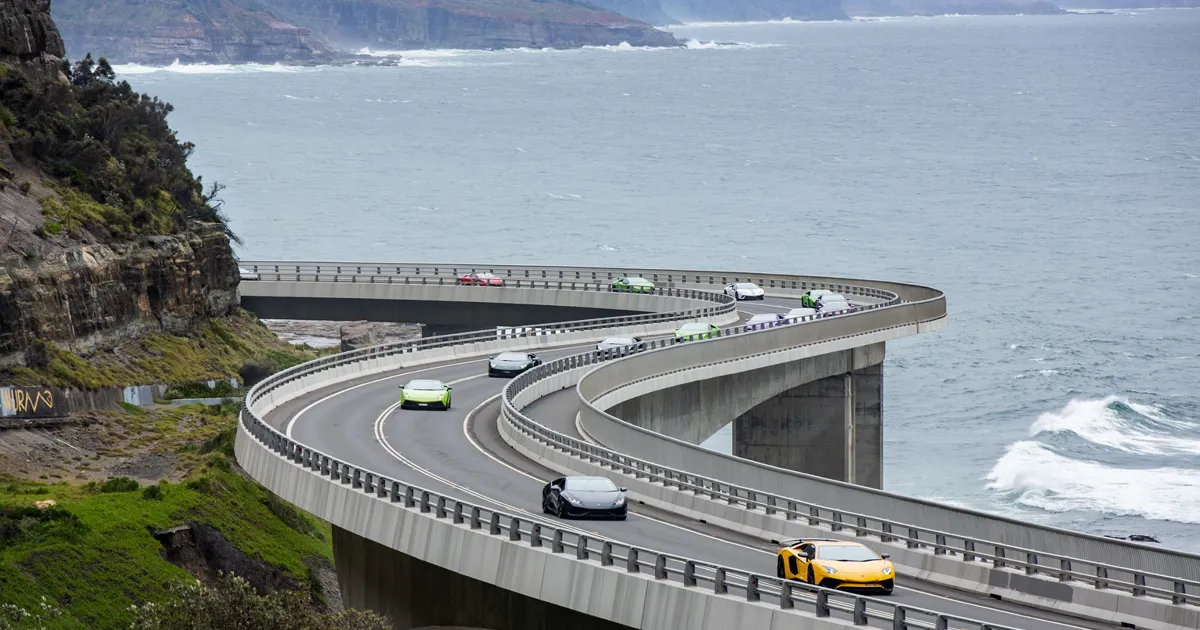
[467,433]
[382,439]
[292,421]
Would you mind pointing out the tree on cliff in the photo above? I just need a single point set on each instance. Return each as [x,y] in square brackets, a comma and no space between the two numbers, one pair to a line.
[120,168]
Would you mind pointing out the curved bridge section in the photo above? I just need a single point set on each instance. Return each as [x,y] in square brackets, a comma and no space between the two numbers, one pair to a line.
[334,487]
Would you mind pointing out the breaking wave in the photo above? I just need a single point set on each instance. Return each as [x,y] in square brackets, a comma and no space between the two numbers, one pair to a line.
[205,68]
[1118,423]
[1034,475]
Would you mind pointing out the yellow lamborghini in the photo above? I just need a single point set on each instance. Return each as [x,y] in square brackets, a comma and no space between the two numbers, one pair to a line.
[835,564]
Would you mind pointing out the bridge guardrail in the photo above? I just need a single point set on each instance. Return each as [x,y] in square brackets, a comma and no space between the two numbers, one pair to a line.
[1030,561]
[788,595]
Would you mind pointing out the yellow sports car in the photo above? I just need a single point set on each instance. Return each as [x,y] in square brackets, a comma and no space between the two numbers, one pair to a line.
[835,564]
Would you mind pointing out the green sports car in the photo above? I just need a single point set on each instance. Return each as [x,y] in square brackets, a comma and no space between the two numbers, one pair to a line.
[425,395]
[695,330]
[809,299]
[639,285]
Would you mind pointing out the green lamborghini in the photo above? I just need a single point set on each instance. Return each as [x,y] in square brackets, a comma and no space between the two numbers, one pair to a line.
[637,285]
[695,330]
[425,395]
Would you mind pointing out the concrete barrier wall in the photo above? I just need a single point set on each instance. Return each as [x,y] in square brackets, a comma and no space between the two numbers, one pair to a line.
[637,600]
[922,563]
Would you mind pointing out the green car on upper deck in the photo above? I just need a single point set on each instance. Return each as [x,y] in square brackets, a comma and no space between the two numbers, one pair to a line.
[633,284]
[425,394]
[695,330]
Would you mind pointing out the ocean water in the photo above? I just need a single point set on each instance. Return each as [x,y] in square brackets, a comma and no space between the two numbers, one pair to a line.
[1043,170]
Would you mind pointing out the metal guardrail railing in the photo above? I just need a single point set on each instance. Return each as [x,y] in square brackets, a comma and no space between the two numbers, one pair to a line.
[789,595]
[754,587]
[1030,561]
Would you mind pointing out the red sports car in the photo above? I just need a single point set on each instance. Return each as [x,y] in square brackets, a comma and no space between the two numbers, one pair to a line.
[481,279]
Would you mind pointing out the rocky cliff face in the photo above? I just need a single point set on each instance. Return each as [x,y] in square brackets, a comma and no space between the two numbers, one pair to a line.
[89,297]
[407,24]
[71,286]
[192,31]
[28,36]
[865,8]
[648,11]
[753,10]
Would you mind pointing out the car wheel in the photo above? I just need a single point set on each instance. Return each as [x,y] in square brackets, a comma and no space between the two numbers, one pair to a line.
[779,567]
[546,506]
[621,517]
[810,575]
[887,590]
[561,512]
[447,404]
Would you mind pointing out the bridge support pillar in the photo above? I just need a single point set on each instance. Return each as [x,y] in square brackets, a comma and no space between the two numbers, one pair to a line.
[417,594]
[832,427]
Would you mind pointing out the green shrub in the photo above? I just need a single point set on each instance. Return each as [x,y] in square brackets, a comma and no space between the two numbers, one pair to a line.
[7,118]
[52,228]
[120,484]
[153,492]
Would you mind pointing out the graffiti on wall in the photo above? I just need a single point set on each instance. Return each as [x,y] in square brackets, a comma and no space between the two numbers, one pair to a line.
[27,402]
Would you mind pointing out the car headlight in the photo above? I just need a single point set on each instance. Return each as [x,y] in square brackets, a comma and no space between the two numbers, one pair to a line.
[619,501]
[887,570]
[572,499]
[829,570]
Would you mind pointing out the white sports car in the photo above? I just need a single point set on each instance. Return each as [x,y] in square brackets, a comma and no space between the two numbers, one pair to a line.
[745,291]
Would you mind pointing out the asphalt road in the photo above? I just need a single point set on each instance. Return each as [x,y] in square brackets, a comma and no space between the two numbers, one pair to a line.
[459,453]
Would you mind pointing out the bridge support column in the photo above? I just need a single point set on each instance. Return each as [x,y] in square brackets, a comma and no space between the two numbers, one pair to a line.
[832,427]
[417,594]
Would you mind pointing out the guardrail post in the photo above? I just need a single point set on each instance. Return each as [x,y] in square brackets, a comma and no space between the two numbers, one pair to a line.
[660,567]
[913,537]
[733,495]
[716,490]
[424,500]
[791,510]
[785,596]
[941,623]
[409,497]
[458,512]
[689,573]
[968,547]
[998,561]
[606,558]
[475,522]
[1180,593]
[814,515]
[494,524]
[770,504]
[581,547]
[939,545]
[556,541]
[1139,582]
[899,619]
[752,594]
[861,530]
[394,492]
[886,528]
[631,561]
[354,478]
[720,586]
[821,606]
[1031,561]
[440,510]
[1064,572]
[514,527]
[836,525]
[751,500]
[860,611]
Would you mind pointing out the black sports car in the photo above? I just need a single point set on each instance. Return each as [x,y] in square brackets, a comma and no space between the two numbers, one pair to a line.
[511,363]
[584,496]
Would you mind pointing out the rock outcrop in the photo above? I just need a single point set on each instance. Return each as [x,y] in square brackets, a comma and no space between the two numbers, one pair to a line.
[753,10]
[648,11]
[29,37]
[192,31]
[88,297]
[866,8]
[409,24]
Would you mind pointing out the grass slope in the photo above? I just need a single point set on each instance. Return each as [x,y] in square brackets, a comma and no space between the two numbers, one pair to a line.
[218,350]
[95,567]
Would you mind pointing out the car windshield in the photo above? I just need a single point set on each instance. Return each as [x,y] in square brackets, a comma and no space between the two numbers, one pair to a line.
[591,484]
[693,327]
[511,356]
[745,285]
[637,281]
[425,385]
[846,553]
